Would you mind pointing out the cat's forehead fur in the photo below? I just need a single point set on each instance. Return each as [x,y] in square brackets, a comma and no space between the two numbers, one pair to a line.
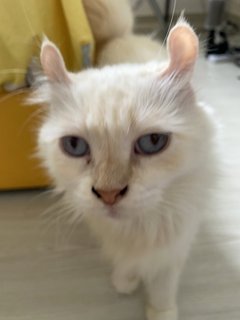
[95,99]
[114,93]
[116,101]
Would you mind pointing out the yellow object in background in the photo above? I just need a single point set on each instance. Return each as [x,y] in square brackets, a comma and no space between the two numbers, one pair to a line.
[19,167]
[22,25]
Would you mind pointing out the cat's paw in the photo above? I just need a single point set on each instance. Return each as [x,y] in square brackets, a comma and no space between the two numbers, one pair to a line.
[169,314]
[125,284]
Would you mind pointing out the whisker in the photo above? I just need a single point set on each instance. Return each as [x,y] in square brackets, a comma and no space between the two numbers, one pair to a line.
[29,22]
[171,21]
[13,94]
[59,216]
[53,207]
[36,114]
[54,221]
[42,194]
[56,209]
[169,27]
[74,223]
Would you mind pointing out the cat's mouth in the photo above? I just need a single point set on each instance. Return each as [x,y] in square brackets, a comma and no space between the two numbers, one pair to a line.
[113,212]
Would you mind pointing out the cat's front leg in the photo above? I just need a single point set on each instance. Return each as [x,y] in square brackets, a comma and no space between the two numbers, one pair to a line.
[124,279]
[161,290]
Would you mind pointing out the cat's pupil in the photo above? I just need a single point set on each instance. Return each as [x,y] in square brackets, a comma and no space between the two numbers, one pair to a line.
[155,138]
[74,142]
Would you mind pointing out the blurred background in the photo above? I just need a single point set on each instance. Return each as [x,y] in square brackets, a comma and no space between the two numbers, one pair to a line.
[217,22]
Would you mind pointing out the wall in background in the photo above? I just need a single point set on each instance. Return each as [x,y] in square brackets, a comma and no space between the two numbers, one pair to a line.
[234,7]
[190,6]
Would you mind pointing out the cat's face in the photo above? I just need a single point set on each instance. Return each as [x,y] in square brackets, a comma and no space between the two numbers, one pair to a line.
[114,139]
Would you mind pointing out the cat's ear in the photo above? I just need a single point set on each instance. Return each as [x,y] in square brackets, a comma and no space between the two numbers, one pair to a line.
[52,63]
[183,46]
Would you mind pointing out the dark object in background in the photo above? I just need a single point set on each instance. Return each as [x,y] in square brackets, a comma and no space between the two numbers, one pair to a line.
[163,17]
[218,47]
[216,13]
[217,43]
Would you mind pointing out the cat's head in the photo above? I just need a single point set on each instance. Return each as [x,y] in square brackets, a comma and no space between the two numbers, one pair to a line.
[115,139]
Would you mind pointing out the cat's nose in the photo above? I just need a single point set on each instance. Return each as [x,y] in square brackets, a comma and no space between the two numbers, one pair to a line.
[110,197]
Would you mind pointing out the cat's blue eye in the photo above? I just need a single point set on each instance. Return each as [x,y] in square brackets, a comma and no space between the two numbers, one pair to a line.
[152,143]
[74,146]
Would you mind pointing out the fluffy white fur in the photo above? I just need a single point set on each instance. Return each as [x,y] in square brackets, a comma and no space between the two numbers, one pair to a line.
[112,24]
[109,19]
[148,233]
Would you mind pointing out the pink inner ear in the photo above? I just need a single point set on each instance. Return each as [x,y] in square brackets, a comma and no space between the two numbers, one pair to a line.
[183,48]
[53,63]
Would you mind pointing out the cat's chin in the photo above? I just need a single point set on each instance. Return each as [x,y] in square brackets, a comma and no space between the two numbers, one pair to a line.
[113,212]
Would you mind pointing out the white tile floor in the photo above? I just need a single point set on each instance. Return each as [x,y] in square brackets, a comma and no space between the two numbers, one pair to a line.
[55,273]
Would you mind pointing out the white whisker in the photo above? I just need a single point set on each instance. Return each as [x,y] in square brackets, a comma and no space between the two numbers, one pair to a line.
[13,94]
[29,22]
[37,114]
[169,27]
[171,21]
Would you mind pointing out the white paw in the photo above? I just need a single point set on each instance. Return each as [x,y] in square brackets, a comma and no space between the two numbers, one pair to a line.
[125,284]
[169,314]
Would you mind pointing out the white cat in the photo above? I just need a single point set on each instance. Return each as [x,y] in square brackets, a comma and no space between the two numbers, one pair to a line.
[133,152]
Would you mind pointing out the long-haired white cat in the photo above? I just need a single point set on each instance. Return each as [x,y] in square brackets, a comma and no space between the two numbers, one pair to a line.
[133,152]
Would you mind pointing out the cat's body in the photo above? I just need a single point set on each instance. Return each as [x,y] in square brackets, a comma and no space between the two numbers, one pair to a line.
[112,25]
[133,152]
[130,49]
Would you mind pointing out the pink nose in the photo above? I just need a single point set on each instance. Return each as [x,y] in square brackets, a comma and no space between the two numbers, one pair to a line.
[110,197]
